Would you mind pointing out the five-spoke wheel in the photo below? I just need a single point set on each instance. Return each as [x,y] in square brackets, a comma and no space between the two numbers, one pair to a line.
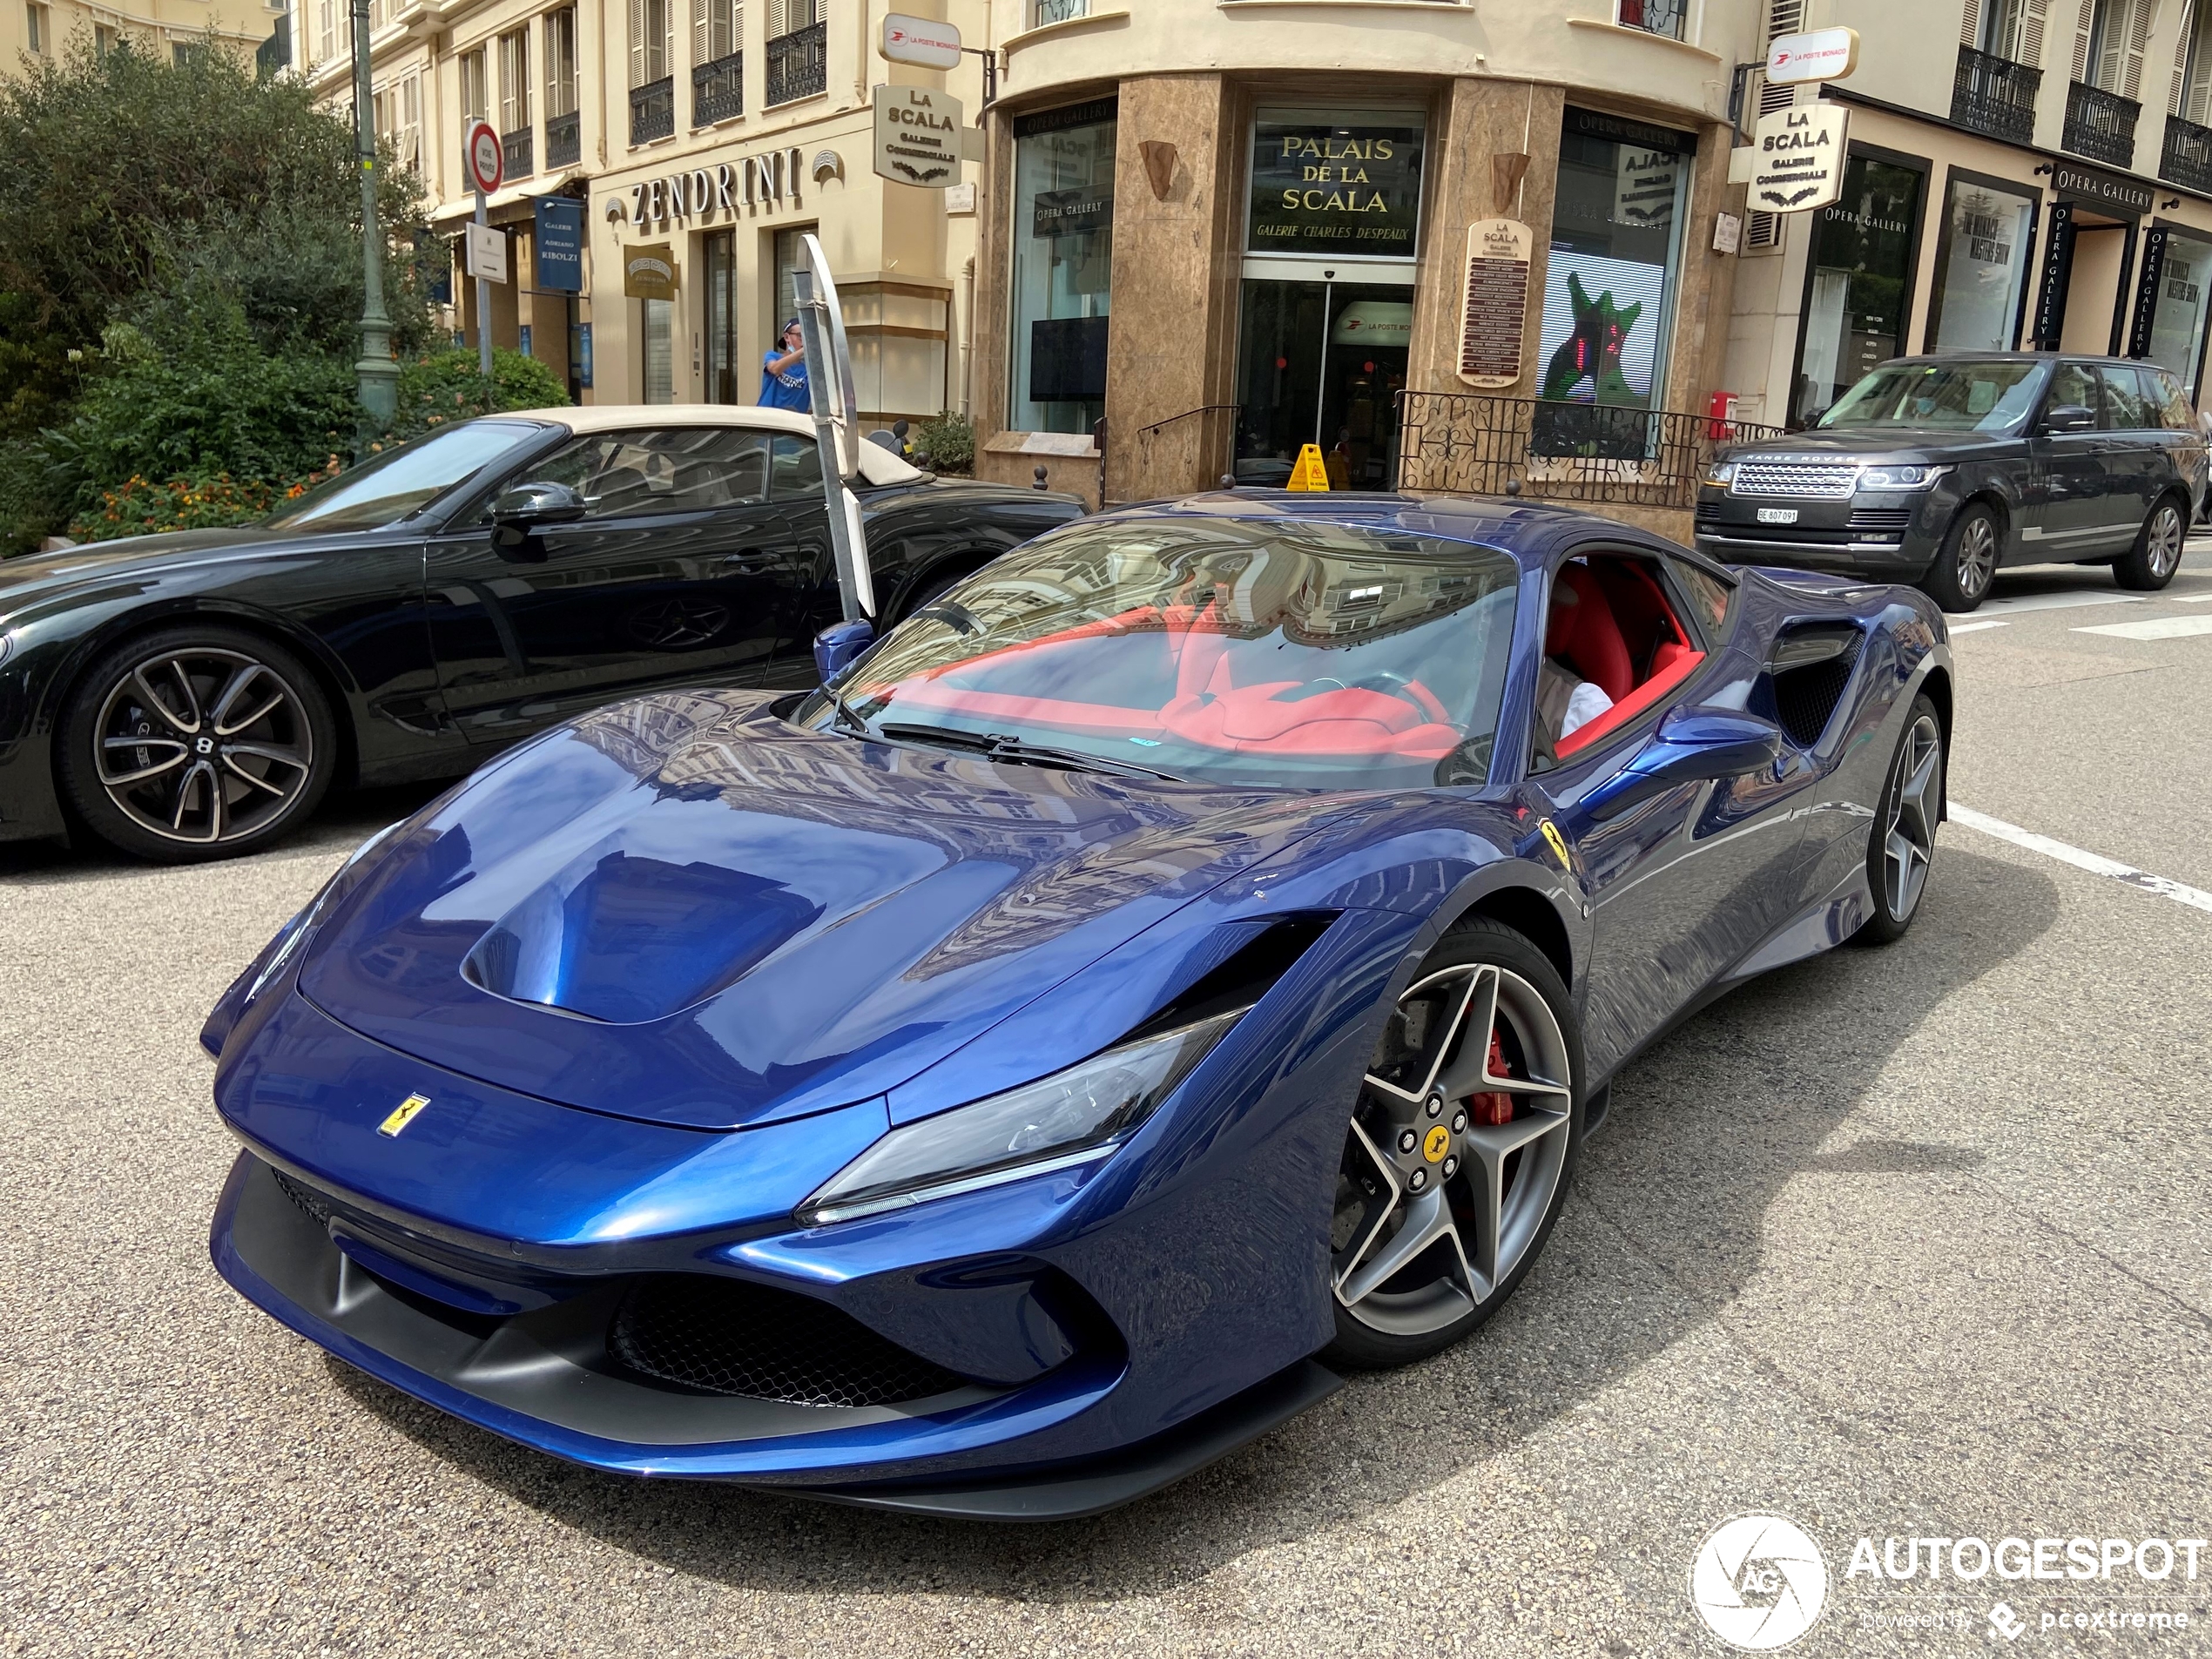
[1902,850]
[1459,1148]
[196,743]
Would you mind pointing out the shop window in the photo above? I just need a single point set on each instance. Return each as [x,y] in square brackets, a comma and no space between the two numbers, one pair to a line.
[1344,184]
[2177,322]
[723,382]
[1859,283]
[1064,267]
[657,332]
[1981,266]
[1616,260]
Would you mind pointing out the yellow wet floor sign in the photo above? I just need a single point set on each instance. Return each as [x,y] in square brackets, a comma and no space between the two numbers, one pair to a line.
[1310,472]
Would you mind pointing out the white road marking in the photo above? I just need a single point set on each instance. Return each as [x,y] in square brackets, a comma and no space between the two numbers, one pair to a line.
[1958,628]
[2056,601]
[2153,628]
[2190,598]
[2096,863]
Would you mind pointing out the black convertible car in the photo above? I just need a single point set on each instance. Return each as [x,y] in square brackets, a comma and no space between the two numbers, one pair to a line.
[192,696]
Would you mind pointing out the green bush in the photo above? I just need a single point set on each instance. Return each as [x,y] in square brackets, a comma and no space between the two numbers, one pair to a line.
[949,441]
[448,385]
[137,507]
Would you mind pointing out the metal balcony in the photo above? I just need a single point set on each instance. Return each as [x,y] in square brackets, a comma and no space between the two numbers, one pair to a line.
[2100,124]
[1994,95]
[519,147]
[718,90]
[652,110]
[563,139]
[2187,157]
[799,63]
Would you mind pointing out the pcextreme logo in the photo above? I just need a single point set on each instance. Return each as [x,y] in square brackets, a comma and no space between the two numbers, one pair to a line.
[1759,1583]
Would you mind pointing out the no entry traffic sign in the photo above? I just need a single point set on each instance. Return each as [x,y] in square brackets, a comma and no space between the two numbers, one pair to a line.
[484,156]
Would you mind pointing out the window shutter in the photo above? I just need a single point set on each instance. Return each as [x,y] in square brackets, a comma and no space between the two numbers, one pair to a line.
[1970,24]
[2081,32]
[702,34]
[638,75]
[2179,90]
[2031,48]
[2131,82]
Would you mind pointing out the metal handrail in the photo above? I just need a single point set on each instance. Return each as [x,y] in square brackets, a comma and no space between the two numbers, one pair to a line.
[1204,408]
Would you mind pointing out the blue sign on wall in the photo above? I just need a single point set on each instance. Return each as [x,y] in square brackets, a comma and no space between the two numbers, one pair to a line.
[582,355]
[559,245]
[523,339]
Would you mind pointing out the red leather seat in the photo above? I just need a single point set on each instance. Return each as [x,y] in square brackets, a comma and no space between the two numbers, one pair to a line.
[1582,633]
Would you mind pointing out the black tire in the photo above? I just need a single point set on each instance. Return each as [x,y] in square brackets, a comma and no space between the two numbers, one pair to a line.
[1898,894]
[228,735]
[1959,578]
[1546,1162]
[2149,565]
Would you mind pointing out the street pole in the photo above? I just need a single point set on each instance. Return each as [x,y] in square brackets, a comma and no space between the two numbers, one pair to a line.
[376,375]
[483,305]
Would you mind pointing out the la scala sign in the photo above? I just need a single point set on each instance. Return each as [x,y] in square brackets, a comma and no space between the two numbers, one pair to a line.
[1798,158]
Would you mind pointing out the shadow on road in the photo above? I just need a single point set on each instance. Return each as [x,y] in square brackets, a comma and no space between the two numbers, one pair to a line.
[1705,1130]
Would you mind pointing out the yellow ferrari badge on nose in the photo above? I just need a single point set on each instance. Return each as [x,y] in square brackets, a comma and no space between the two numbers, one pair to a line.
[1558,844]
[1436,1144]
[403,1114]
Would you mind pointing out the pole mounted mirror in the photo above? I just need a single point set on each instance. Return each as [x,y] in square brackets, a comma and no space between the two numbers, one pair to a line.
[837,435]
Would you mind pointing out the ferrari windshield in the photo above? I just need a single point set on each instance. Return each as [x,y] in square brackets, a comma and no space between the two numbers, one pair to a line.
[1968,396]
[1248,650]
[400,481]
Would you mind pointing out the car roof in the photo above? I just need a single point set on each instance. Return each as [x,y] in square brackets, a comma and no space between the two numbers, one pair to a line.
[878,464]
[2018,357]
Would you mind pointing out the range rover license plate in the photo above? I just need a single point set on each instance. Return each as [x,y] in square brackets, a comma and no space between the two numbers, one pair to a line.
[1778,514]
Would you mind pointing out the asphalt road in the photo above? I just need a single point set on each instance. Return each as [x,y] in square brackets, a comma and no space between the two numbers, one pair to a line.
[1896,1243]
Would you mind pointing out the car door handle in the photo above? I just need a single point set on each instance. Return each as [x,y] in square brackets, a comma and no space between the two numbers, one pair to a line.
[750,555]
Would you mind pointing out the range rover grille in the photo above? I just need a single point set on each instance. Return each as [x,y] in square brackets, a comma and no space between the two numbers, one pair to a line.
[1807,480]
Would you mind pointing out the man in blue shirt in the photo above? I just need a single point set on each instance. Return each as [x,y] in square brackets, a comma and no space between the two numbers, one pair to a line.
[783,374]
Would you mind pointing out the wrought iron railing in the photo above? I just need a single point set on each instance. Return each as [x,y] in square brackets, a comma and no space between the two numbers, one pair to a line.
[1465,443]
[2100,124]
[652,110]
[1655,16]
[799,63]
[563,139]
[519,147]
[718,90]
[1994,95]
[2185,158]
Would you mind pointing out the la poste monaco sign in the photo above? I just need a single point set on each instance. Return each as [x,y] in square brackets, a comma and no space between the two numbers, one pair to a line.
[919,41]
[1798,158]
[1816,55]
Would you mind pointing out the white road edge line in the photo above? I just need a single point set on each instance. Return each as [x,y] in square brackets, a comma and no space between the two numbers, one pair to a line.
[2094,863]
[1958,628]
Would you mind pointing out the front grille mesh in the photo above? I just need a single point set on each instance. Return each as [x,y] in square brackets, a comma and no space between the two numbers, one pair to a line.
[316,1206]
[1810,481]
[1805,698]
[727,1337]
[1881,518]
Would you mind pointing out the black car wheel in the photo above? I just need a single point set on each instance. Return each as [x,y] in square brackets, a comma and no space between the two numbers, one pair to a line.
[1959,578]
[1901,851]
[198,742]
[1460,1149]
[2149,565]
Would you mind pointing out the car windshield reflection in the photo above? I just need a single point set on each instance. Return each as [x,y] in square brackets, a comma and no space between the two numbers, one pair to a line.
[403,480]
[1231,651]
[1992,395]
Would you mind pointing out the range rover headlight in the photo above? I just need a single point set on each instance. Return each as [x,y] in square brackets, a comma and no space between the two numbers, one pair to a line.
[1074,1117]
[1720,475]
[1899,478]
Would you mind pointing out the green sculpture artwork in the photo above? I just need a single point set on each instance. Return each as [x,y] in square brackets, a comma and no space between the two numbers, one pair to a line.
[1593,349]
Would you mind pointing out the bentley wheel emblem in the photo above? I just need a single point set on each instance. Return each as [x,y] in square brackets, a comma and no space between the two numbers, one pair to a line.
[403,1114]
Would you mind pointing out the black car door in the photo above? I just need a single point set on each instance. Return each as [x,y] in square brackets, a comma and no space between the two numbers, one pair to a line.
[671,576]
[805,569]
[2136,467]
[2071,513]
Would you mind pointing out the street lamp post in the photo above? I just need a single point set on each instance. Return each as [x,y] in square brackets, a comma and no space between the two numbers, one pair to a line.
[376,375]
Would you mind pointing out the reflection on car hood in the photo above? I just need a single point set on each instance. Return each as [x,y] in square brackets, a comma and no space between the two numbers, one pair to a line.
[1902,445]
[684,910]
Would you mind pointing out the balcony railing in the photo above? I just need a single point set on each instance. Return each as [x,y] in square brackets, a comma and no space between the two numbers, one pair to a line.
[1655,16]
[563,139]
[2100,124]
[652,110]
[718,90]
[2187,157]
[519,149]
[1994,95]
[799,63]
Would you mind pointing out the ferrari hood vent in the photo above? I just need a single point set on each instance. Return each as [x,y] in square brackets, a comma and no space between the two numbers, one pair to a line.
[1251,969]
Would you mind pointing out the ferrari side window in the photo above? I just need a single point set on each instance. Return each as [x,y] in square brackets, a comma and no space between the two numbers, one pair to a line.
[1613,649]
[1709,595]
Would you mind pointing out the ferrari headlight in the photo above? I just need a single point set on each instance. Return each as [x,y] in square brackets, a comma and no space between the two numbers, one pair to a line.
[296,932]
[1072,1117]
[1721,474]
[1899,478]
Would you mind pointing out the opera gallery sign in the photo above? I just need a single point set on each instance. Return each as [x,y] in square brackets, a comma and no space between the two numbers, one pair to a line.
[727,187]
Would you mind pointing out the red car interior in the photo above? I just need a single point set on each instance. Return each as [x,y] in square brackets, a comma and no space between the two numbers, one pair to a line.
[1610,623]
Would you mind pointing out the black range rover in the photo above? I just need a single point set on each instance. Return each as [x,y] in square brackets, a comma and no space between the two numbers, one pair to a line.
[1938,469]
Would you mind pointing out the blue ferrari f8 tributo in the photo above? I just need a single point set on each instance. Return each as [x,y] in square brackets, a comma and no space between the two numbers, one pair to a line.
[1178,963]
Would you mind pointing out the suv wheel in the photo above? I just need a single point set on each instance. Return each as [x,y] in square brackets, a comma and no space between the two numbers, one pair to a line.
[1959,578]
[2149,565]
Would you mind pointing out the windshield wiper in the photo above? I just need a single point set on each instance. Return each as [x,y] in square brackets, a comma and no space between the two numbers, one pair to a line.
[998,747]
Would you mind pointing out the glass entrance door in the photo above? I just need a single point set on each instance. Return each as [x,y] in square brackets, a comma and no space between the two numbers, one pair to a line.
[1321,362]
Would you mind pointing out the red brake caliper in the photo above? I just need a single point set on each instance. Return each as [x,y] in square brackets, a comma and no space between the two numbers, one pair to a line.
[1494,1106]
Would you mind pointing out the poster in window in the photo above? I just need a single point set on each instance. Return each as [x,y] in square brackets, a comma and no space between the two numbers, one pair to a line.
[1601,332]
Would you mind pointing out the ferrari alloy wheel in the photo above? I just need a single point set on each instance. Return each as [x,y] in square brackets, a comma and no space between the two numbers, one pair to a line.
[1959,578]
[1903,849]
[2149,565]
[196,743]
[1458,1151]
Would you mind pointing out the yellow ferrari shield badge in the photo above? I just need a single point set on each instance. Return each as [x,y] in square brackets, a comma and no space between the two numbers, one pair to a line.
[403,1114]
[1558,844]
[1436,1144]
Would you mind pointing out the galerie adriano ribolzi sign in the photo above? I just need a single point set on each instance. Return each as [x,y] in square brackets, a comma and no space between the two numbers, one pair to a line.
[1352,190]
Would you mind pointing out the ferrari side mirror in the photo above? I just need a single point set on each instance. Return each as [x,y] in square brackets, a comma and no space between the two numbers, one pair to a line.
[838,646]
[1691,745]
